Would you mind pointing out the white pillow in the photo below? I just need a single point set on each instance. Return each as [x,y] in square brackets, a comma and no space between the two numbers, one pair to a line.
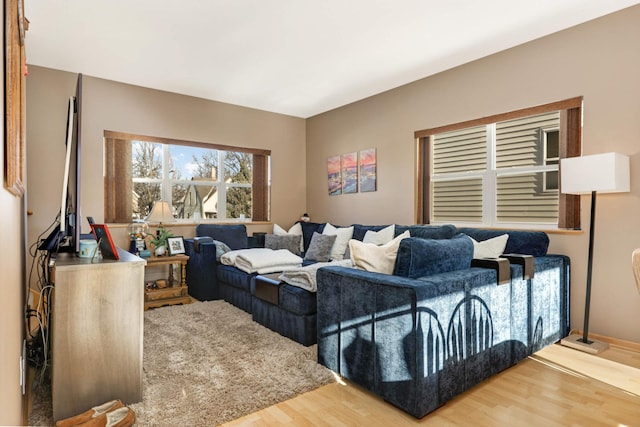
[380,237]
[295,230]
[371,257]
[343,235]
[490,248]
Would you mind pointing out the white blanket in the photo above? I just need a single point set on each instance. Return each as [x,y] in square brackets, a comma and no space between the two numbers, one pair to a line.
[261,260]
[305,277]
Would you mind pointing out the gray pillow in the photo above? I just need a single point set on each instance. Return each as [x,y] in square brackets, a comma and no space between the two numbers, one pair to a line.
[320,247]
[221,249]
[291,242]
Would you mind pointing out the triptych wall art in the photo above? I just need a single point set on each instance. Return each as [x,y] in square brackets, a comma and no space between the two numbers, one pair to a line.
[351,172]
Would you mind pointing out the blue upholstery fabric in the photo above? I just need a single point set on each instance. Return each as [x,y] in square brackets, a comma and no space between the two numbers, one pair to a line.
[235,286]
[419,257]
[360,230]
[295,314]
[521,242]
[202,276]
[300,328]
[201,271]
[297,300]
[234,235]
[426,231]
[417,343]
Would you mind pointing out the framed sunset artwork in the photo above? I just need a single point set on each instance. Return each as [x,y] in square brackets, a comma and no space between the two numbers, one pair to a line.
[349,168]
[334,177]
[368,170]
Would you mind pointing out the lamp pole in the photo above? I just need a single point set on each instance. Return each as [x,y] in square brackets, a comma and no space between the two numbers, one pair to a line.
[587,303]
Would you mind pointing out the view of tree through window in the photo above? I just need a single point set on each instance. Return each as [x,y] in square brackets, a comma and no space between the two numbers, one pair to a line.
[188,177]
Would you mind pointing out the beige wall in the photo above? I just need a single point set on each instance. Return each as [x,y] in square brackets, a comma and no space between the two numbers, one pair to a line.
[11,304]
[598,60]
[109,105]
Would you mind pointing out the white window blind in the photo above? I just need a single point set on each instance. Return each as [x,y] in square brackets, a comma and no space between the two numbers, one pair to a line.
[496,173]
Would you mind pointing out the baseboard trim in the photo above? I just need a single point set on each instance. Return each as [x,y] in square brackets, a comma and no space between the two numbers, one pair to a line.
[630,345]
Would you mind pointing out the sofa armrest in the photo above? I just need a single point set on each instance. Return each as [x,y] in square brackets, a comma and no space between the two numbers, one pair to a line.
[202,278]
[502,267]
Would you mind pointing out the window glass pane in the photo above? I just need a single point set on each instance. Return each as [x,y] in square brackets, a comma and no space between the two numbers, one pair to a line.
[199,201]
[144,194]
[238,167]
[193,163]
[523,198]
[553,144]
[238,202]
[146,159]
[519,142]
[460,151]
[178,193]
[458,200]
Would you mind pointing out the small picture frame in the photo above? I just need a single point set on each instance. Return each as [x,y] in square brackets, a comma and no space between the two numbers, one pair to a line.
[176,245]
[105,242]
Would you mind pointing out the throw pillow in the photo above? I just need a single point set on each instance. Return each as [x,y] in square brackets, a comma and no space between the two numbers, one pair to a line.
[343,235]
[490,248]
[419,257]
[295,230]
[380,237]
[320,247]
[221,249]
[289,242]
[371,257]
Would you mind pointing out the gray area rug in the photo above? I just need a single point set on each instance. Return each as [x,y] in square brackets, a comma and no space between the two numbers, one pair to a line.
[207,363]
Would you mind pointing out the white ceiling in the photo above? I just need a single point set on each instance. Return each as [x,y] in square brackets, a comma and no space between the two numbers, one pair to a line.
[296,57]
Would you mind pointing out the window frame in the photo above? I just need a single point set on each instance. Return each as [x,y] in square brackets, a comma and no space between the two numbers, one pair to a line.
[117,185]
[570,135]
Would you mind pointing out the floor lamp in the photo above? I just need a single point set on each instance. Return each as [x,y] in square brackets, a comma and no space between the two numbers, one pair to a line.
[599,173]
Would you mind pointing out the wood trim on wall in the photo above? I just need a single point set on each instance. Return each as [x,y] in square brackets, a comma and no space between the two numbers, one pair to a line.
[135,137]
[14,103]
[559,105]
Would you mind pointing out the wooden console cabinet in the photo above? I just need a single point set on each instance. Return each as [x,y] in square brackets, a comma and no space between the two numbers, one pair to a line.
[97,332]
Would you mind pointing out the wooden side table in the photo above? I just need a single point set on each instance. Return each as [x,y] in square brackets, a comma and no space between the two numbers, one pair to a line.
[176,291]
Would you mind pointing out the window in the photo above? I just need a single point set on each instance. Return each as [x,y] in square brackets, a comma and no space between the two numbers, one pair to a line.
[200,181]
[501,170]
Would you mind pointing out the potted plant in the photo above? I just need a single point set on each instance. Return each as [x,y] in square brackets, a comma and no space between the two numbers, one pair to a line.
[160,241]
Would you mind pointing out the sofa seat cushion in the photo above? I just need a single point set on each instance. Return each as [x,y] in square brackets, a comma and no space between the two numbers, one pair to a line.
[425,257]
[235,277]
[297,300]
[271,289]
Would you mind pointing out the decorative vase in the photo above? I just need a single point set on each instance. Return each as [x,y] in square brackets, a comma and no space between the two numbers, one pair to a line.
[160,250]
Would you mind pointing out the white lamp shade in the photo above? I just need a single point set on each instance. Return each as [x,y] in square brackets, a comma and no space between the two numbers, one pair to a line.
[160,212]
[603,173]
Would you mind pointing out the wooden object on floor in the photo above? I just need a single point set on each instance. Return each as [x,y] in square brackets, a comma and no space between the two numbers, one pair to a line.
[176,292]
[532,393]
[97,332]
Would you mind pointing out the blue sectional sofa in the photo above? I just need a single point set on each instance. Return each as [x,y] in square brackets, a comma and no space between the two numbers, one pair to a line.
[434,328]
[437,326]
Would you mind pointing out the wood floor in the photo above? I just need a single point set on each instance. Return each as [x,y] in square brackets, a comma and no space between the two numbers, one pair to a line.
[538,391]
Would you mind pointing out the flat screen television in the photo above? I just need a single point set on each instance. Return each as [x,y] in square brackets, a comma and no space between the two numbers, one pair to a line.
[66,236]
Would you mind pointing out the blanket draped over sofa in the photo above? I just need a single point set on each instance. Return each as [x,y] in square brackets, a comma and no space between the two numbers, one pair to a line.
[434,328]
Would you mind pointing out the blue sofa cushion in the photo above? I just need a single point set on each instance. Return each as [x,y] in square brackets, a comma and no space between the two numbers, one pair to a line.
[235,235]
[360,230]
[308,228]
[419,257]
[446,231]
[297,300]
[522,242]
[235,277]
